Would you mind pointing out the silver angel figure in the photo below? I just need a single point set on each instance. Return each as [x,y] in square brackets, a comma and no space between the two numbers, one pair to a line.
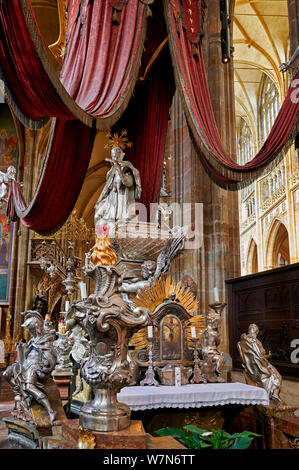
[63,347]
[123,187]
[147,270]
[256,364]
[36,360]
[210,344]
[154,269]
[5,179]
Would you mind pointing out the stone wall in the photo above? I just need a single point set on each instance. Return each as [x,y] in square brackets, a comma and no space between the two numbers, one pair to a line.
[218,257]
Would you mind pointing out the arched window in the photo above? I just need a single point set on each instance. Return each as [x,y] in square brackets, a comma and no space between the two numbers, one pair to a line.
[245,143]
[268,106]
[272,185]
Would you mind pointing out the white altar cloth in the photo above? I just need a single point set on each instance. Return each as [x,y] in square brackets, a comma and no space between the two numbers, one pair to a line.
[192,396]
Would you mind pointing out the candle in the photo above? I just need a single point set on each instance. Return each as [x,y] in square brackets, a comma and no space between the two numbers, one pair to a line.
[177,372]
[82,286]
[193,332]
[67,305]
[150,331]
[216,295]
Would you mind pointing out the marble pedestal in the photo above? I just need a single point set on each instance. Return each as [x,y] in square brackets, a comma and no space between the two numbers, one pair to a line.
[29,433]
[134,437]
[62,378]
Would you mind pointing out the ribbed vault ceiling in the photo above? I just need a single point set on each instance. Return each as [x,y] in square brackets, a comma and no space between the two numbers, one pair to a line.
[261,44]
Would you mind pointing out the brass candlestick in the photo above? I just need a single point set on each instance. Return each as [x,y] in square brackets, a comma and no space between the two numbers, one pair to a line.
[150,373]
[197,375]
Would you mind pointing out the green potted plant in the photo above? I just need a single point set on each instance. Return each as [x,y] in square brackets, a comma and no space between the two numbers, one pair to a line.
[196,438]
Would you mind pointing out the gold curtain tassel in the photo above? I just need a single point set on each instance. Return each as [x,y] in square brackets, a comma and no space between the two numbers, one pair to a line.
[115,18]
[195,51]
[149,12]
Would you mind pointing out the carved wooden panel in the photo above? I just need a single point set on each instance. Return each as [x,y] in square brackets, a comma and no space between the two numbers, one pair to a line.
[271,300]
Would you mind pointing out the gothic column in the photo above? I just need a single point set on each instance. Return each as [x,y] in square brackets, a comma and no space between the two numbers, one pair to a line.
[219,257]
[25,172]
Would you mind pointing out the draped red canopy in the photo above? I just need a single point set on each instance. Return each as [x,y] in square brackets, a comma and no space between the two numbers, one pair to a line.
[100,70]
[61,178]
[99,73]
[146,120]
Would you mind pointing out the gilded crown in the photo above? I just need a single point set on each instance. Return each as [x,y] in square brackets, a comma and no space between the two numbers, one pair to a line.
[117,140]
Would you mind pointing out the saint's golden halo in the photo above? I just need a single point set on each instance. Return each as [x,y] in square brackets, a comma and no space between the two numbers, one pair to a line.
[117,140]
[153,296]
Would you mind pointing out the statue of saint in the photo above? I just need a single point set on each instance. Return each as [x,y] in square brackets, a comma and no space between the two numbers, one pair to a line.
[35,362]
[256,364]
[123,187]
[210,344]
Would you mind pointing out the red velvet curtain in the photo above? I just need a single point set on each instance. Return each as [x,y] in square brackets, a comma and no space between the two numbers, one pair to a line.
[146,122]
[192,82]
[102,59]
[61,178]
[100,68]
[100,71]
[32,90]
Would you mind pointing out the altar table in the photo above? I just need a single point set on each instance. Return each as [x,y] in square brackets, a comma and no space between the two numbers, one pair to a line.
[140,398]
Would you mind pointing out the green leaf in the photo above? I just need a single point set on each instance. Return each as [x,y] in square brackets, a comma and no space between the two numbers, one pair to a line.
[200,443]
[174,432]
[200,433]
[195,429]
[204,445]
[217,438]
[245,434]
[242,443]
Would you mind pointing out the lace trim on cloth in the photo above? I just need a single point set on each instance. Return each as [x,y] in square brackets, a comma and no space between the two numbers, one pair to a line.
[192,396]
[198,405]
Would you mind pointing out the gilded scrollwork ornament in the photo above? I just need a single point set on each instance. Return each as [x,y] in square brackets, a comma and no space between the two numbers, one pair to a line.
[109,323]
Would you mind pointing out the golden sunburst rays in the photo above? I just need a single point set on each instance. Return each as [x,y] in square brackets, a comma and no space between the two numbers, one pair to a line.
[139,339]
[153,296]
[199,322]
[117,140]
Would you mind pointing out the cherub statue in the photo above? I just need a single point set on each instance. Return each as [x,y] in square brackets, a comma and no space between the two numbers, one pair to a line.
[36,360]
[153,269]
[147,270]
[256,364]
[5,179]
[123,187]
[210,344]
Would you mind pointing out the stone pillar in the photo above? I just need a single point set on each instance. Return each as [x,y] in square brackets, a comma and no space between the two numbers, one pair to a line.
[293,7]
[26,175]
[31,160]
[219,257]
